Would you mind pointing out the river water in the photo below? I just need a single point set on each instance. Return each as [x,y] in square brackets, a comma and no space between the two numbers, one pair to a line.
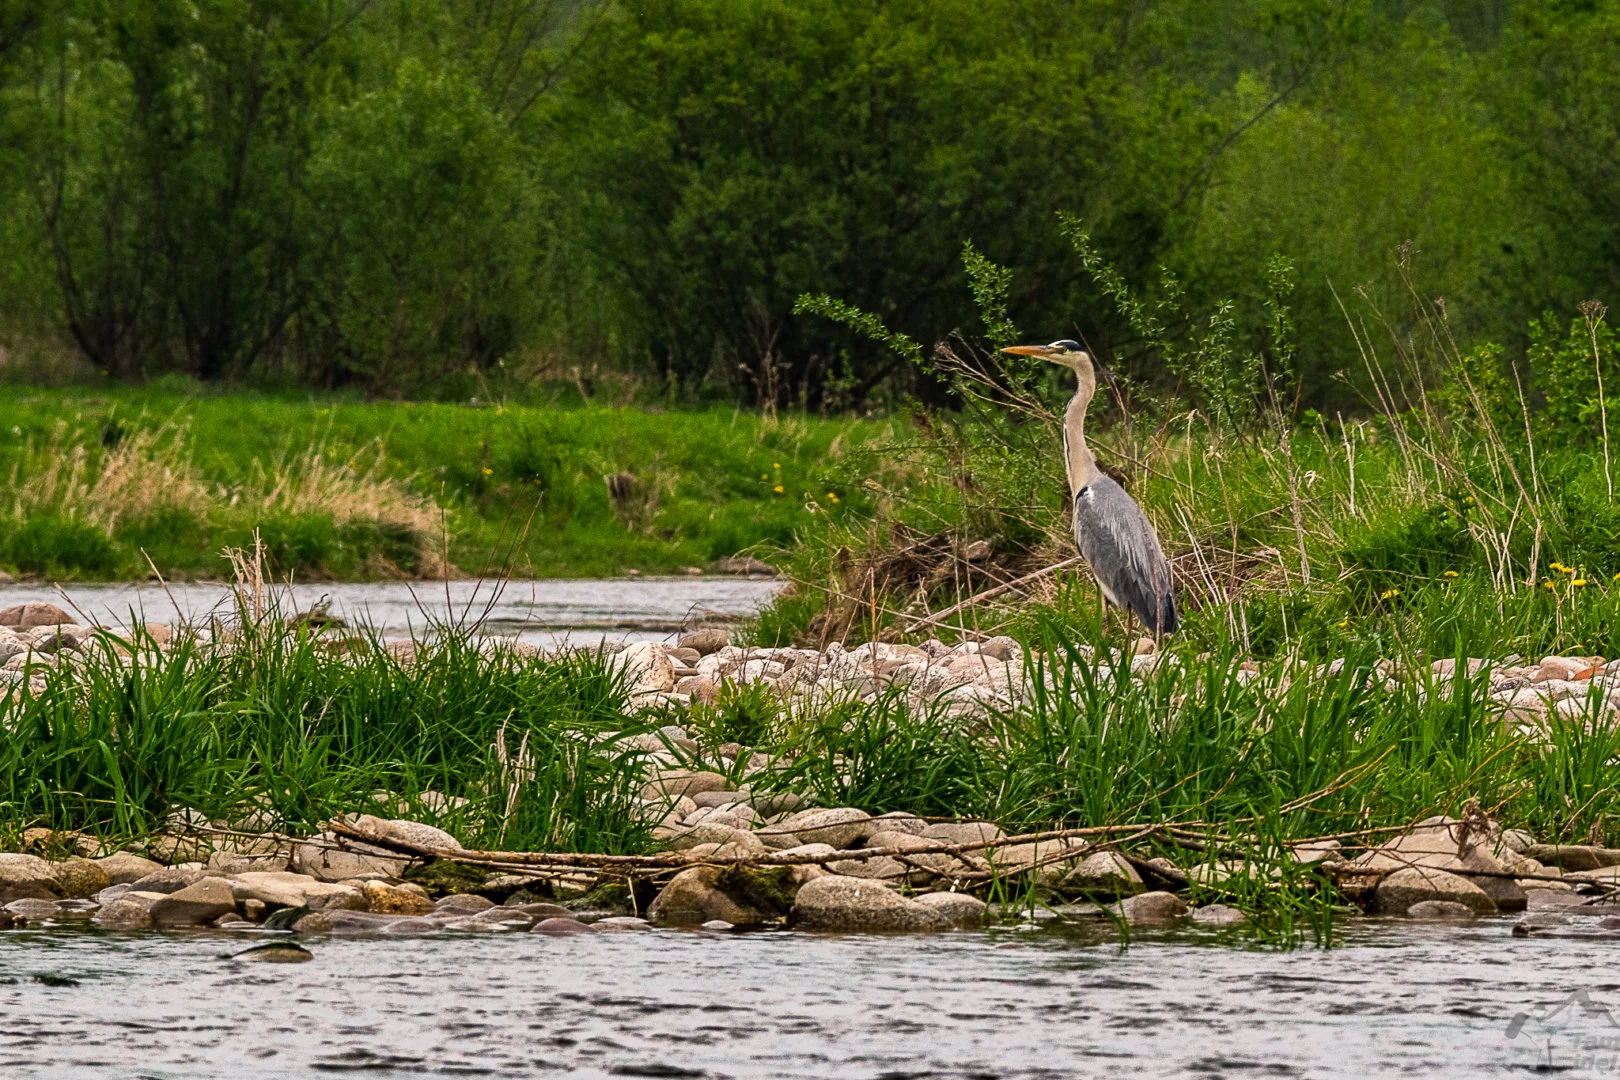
[539,611]
[1417,1000]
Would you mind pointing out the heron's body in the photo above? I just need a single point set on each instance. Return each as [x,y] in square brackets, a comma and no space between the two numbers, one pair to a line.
[1112,533]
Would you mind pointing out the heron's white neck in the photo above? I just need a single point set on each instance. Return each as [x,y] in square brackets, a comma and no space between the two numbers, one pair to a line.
[1077,459]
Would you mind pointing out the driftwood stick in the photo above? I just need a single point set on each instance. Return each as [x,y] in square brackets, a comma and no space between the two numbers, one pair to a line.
[931,620]
[681,859]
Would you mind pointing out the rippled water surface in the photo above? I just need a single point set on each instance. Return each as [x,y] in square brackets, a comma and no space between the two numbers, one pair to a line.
[540,611]
[1395,1000]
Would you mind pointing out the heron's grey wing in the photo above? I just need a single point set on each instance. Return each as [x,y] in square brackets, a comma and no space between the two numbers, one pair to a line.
[1119,543]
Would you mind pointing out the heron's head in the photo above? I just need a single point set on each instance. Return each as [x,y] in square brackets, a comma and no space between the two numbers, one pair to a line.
[1065,352]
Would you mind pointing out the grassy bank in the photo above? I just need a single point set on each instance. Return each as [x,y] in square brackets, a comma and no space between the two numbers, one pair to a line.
[284,727]
[1469,509]
[344,488]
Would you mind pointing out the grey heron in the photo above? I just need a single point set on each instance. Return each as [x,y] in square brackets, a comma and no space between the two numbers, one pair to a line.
[1113,534]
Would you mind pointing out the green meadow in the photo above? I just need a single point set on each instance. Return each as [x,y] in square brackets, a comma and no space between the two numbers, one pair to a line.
[93,481]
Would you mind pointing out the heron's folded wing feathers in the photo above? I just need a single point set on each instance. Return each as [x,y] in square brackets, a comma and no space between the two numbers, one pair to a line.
[1119,543]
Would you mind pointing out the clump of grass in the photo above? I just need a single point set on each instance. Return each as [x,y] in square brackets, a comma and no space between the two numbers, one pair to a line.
[130,475]
[355,493]
[1288,753]
[527,749]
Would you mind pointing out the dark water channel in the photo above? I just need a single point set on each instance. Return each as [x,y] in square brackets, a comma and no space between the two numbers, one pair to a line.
[1396,999]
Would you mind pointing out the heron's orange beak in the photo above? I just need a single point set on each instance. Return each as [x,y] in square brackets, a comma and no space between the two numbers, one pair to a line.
[1028,350]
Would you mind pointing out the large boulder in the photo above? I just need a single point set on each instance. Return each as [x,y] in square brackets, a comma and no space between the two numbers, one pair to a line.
[409,834]
[716,833]
[647,667]
[1151,907]
[860,905]
[281,889]
[123,867]
[963,832]
[960,909]
[169,879]
[1439,843]
[79,878]
[740,896]
[196,904]
[125,913]
[392,900]
[1399,891]
[705,641]
[28,616]
[1573,856]
[1103,873]
[1050,860]
[840,826]
[673,783]
[323,859]
[26,877]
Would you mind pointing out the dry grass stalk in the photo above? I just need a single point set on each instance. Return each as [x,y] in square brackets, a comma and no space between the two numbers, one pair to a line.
[143,473]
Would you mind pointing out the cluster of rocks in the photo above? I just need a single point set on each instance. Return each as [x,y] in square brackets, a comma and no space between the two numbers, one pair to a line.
[1567,686]
[974,677]
[964,679]
[1442,868]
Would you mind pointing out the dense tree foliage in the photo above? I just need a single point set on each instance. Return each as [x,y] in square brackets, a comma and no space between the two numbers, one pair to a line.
[391,194]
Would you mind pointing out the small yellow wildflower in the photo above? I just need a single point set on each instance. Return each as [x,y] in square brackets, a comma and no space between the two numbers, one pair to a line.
[1389,594]
[833,497]
[1546,584]
[1451,573]
[777,489]
[1578,582]
[488,471]
[1568,569]
[776,464]
[1556,566]
[764,476]
[1342,625]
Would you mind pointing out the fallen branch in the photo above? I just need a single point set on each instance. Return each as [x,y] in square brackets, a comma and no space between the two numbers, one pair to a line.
[671,860]
[935,619]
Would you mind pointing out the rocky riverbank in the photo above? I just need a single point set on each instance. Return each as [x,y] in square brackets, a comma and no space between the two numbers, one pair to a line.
[742,847]
[1441,868]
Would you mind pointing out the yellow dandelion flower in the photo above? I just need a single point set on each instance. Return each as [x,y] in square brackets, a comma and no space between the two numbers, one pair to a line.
[764,476]
[776,464]
[832,497]
[1568,569]
[1556,566]
[1578,582]
[488,471]
[1342,625]
[777,489]
[1389,594]
[1546,584]
[1451,573]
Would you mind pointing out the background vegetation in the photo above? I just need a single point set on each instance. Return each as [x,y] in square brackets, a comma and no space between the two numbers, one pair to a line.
[344,488]
[415,197]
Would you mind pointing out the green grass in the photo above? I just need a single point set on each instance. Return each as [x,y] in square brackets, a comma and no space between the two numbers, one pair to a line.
[308,728]
[705,489]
